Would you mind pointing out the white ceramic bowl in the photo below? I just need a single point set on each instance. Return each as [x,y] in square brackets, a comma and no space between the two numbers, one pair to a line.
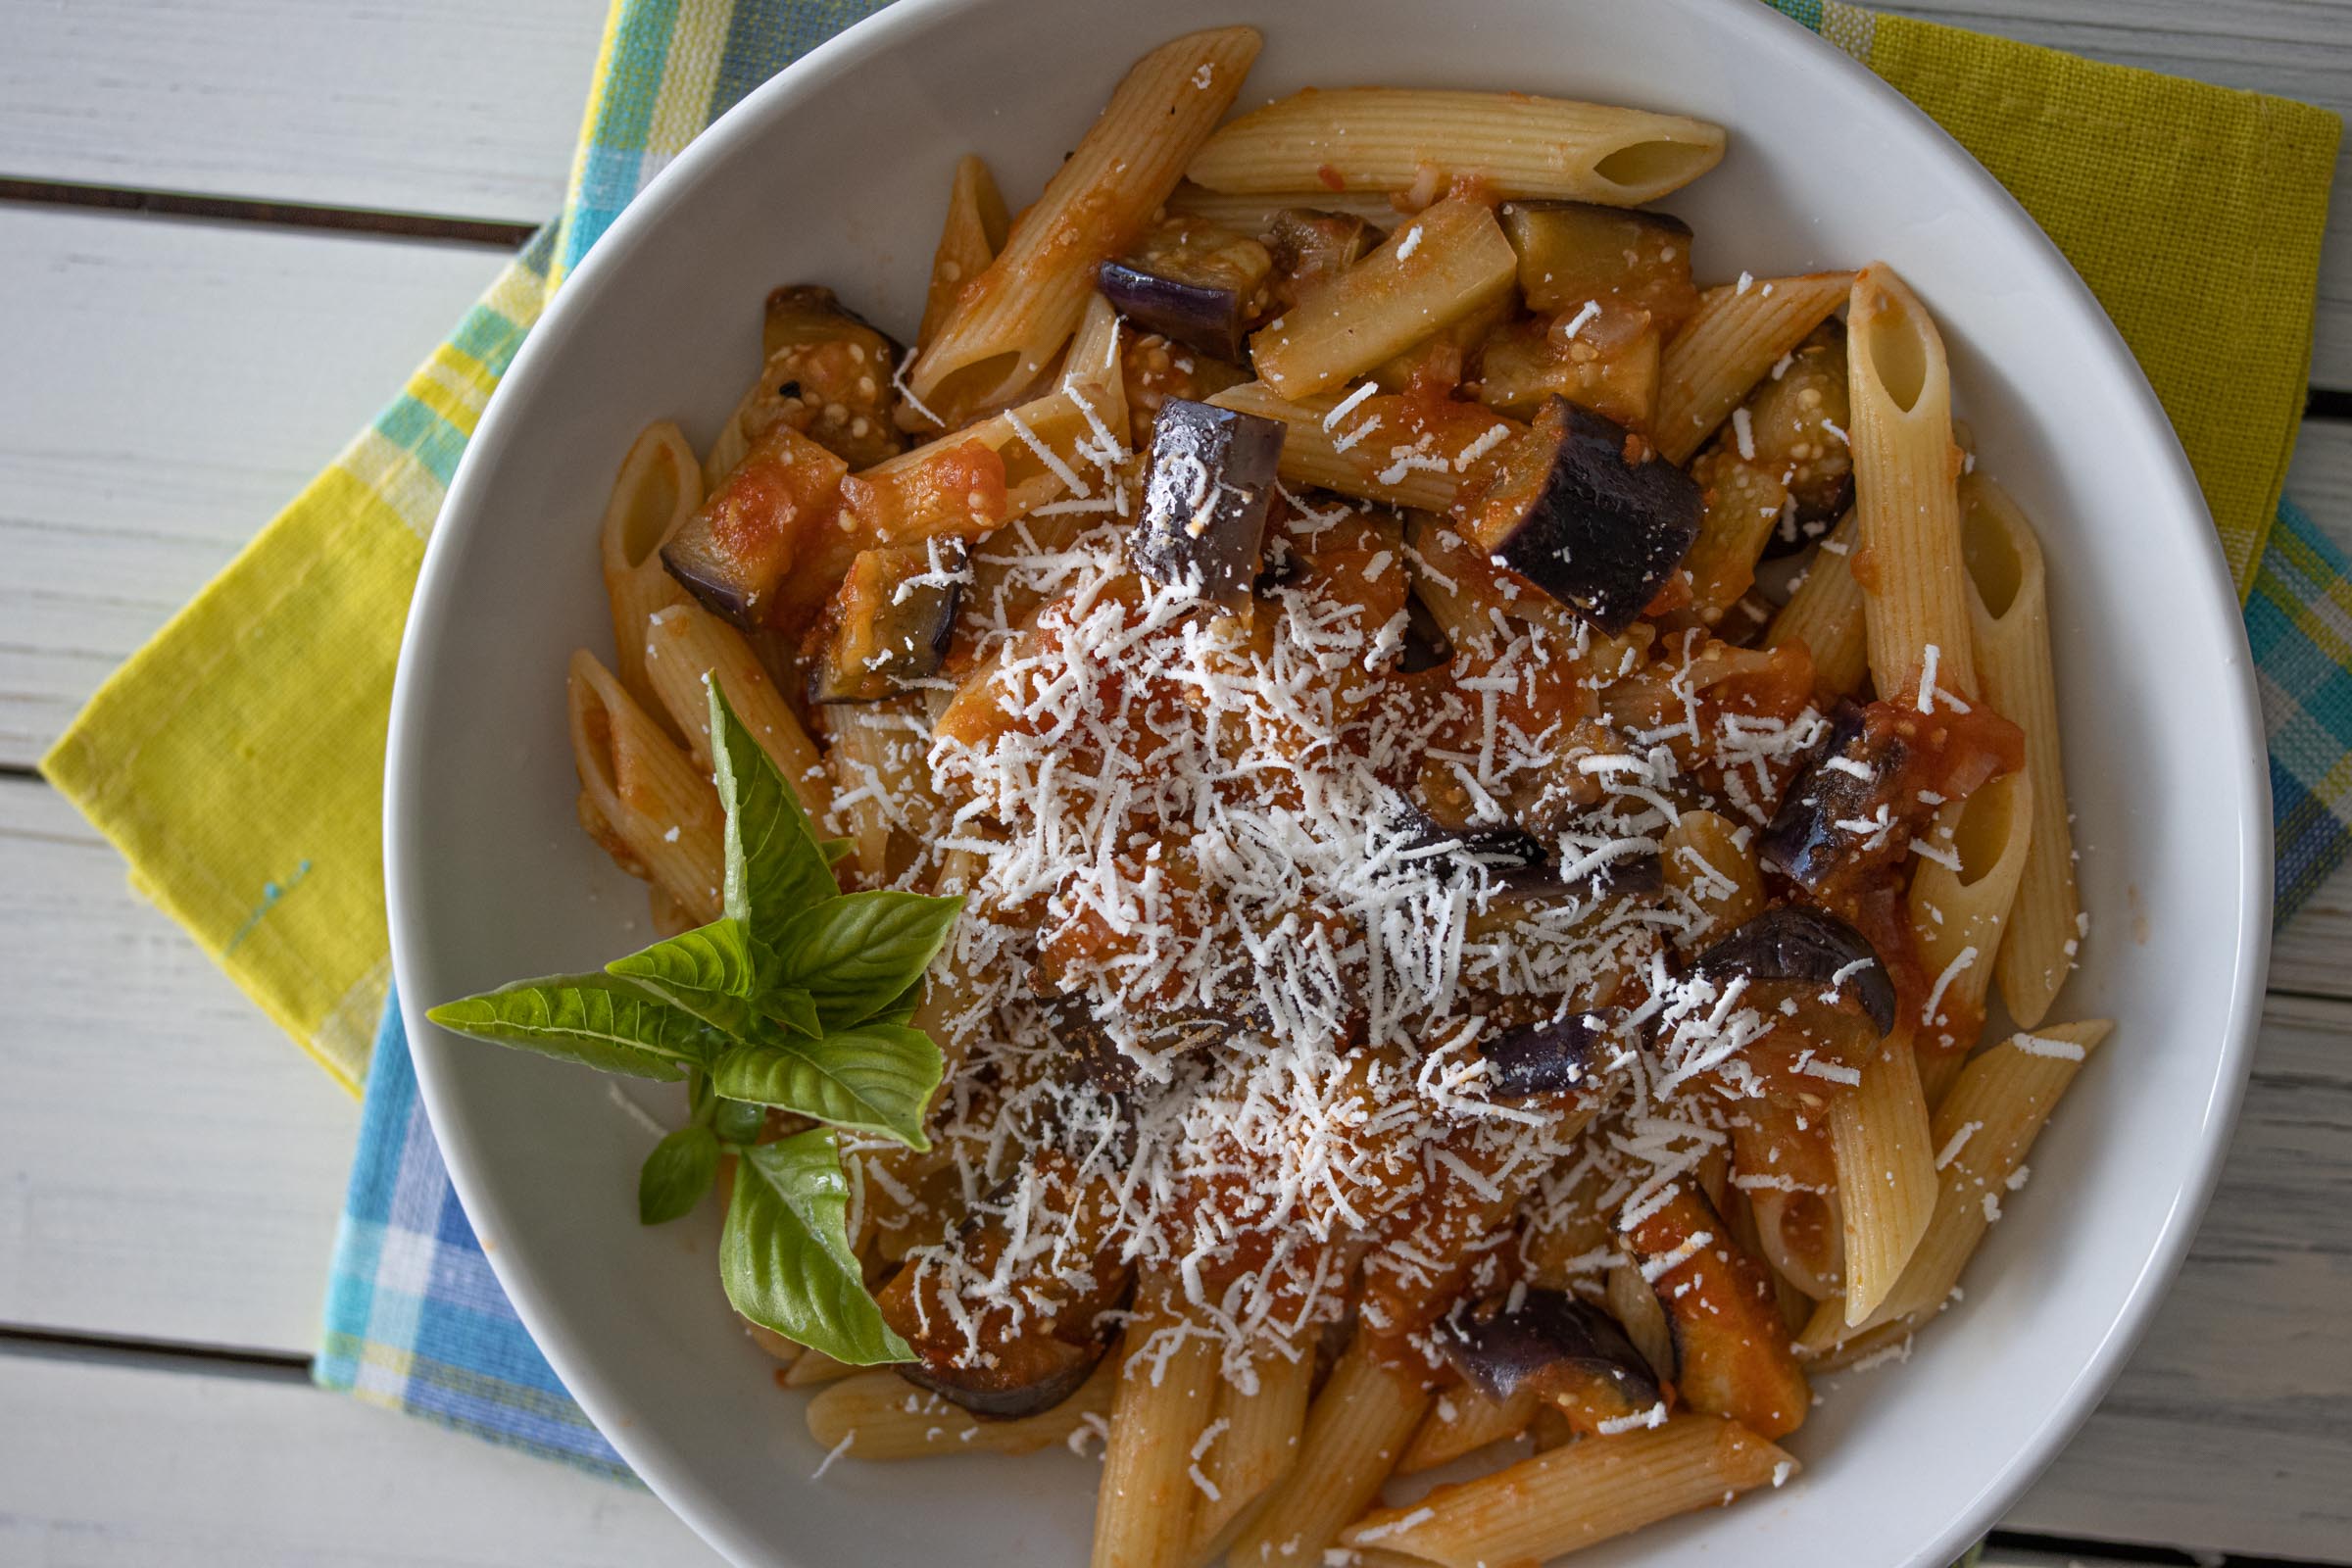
[836,172]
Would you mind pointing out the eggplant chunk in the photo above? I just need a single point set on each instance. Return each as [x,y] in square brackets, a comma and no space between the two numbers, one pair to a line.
[1552,1057]
[890,622]
[1574,1356]
[1193,282]
[1732,1346]
[1571,252]
[827,375]
[1205,498]
[1158,371]
[1796,422]
[1812,948]
[1042,1359]
[1609,363]
[1310,247]
[1852,776]
[1586,512]
[774,509]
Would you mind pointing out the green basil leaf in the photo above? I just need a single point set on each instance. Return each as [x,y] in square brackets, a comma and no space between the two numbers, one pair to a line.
[707,972]
[702,1100]
[677,1175]
[775,867]
[793,1007]
[856,955]
[903,1007]
[836,850]
[877,1078]
[785,1255]
[738,1121]
[597,1019]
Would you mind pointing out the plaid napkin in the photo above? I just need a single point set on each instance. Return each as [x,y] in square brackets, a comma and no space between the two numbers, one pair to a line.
[220,757]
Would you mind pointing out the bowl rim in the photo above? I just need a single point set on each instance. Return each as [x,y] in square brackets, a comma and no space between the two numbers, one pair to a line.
[575,305]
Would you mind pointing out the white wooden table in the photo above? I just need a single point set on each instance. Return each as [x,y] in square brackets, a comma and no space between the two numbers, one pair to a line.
[227,229]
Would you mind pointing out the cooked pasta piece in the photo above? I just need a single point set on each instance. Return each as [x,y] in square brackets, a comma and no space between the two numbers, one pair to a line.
[683,644]
[877,758]
[1575,1497]
[1906,496]
[815,1367]
[1464,1420]
[1009,323]
[1825,613]
[1166,1388]
[1255,1447]
[1885,1171]
[1254,213]
[640,796]
[1704,857]
[2010,611]
[1740,331]
[1315,453]
[1515,144]
[1095,365]
[969,238]
[1982,1131]
[1436,268]
[1635,1306]
[880,1415]
[658,487]
[1059,450]
[1357,1427]
[1958,908]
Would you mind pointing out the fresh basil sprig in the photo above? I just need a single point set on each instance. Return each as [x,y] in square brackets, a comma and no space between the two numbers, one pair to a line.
[798,997]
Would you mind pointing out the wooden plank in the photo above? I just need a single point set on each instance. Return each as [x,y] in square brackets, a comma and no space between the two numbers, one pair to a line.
[2314,953]
[2293,48]
[105,1465]
[171,1165]
[435,106]
[175,383]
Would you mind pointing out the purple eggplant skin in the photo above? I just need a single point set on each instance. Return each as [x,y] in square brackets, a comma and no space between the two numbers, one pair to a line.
[1631,876]
[890,622]
[1542,1058]
[1498,1348]
[1802,841]
[1192,283]
[1206,495]
[1588,512]
[1797,943]
[980,1391]
[1506,848]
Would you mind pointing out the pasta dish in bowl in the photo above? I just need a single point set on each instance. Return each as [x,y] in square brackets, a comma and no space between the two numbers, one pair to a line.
[1342,834]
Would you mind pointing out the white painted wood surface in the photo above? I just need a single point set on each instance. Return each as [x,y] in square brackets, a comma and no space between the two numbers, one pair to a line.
[170,383]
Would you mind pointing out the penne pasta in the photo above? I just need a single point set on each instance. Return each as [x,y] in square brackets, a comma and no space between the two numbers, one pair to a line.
[660,486]
[1096,367]
[1958,909]
[1885,1172]
[969,238]
[1907,499]
[1312,453]
[641,797]
[1355,1429]
[1825,613]
[1704,860]
[1463,1421]
[1254,213]
[1515,144]
[1257,1441]
[877,760]
[684,644]
[1061,451]
[1982,1131]
[1575,1497]
[2010,613]
[815,1367]
[1436,268]
[1635,1306]
[880,1415]
[1166,1388]
[1019,313]
[1740,331]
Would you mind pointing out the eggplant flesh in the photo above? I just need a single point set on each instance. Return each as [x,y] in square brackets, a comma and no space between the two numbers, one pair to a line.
[1311,246]
[1809,945]
[1588,513]
[828,374]
[734,554]
[1206,495]
[1571,252]
[1555,1344]
[1192,281]
[1847,778]
[1795,425]
[890,623]
[1552,1057]
[1030,1380]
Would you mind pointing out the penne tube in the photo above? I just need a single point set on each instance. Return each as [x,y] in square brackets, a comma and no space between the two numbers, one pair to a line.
[880,1415]
[969,238]
[1906,496]
[816,1367]
[1010,320]
[1095,368]
[1463,1421]
[641,796]
[2010,613]
[1888,1340]
[1738,334]
[1703,862]
[1059,450]
[1635,1306]
[1164,1389]
[1575,1497]
[1357,1427]
[683,644]
[1255,1447]
[1825,613]
[1254,213]
[1982,1130]
[1958,909]
[878,759]
[1885,1171]
[1397,138]
[660,486]
[1435,270]
[1370,470]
